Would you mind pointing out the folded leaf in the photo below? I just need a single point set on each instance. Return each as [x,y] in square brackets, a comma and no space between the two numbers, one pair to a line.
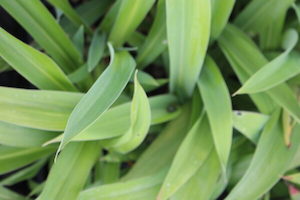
[100,96]
[188,30]
[129,16]
[217,104]
[41,25]
[35,66]
[140,120]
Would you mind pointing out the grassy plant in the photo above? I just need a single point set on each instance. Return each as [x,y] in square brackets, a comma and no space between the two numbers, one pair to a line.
[152,100]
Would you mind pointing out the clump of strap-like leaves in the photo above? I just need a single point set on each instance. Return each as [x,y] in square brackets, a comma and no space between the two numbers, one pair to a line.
[152,100]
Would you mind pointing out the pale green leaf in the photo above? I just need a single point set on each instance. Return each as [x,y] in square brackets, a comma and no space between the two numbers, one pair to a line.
[101,95]
[17,136]
[144,188]
[41,25]
[130,14]
[163,149]
[203,183]
[6,194]
[67,9]
[35,66]
[272,154]
[277,71]
[47,110]
[96,50]
[12,158]
[249,124]
[191,155]
[69,174]
[221,10]
[188,31]
[140,120]
[218,106]
[156,41]
[24,174]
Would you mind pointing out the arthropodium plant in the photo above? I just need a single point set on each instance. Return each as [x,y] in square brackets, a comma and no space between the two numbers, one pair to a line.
[104,130]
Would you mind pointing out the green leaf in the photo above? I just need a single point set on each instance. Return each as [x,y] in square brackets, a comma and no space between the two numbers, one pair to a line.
[130,15]
[65,6]
[163,149]
[144,188]
[155,42]
[272,154]
[78,39]
[246,59]
[17,136]
[12,158]
[213,89]
[221,10]
[188,30]
[116,121]
[41,25]
[47,110]
[23,174]
[277,71]
[89,11]
[205,178]
[249,124]
[191,155]
[6,194]
[35,66]
[140,120]
[96,50]
[69,174]
[101,95]
[293,178]
[265,18]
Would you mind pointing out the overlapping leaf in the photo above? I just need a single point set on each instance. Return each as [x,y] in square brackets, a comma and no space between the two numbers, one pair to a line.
[217,104]
[35,66]
[188,31]
[41,25]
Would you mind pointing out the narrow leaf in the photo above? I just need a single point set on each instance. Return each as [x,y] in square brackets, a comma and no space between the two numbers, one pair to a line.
[100,96]
[217,104]
[272,154]
[35,66]
[41,25]
[191,154]
[275,72]
[140,120]
[249,124]
[155,42]
[66,182]
[96,50]
[188,30]
[129,16]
